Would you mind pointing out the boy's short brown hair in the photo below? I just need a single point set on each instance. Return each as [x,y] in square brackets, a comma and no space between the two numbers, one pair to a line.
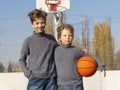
[37,14]
[64,26]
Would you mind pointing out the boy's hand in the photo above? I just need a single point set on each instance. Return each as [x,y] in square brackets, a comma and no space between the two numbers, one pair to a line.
[104,72]
[86,51]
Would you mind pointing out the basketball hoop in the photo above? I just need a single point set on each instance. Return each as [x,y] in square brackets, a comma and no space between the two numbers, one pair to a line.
[52,5]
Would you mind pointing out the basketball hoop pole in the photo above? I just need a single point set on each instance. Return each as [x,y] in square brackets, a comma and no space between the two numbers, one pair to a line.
[52,7]
[56,24]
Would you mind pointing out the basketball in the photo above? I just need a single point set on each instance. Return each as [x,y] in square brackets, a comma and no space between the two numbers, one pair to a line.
[86,66]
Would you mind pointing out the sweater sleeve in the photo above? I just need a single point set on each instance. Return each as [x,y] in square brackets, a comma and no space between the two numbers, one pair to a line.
[23,58]
[100,66]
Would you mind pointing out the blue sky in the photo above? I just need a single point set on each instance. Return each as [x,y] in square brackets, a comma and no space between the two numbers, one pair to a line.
[15,25]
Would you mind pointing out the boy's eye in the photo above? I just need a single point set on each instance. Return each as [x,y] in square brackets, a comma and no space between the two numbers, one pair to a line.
[70,35]
[64,35]
[37,23]
[42,22]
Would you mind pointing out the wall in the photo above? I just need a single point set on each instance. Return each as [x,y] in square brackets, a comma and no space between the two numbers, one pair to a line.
[99,82]
[17,81]
[12,81]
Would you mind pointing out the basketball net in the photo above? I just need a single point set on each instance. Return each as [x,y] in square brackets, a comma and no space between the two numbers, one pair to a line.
[52,5]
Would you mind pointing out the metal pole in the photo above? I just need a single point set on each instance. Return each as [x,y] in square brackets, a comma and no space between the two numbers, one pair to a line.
[56,24]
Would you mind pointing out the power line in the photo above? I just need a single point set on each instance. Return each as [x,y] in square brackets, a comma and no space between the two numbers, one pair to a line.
[13,18]
[75,15]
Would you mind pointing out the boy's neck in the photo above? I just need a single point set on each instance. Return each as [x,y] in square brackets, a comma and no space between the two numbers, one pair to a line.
[39,32]
[66,45]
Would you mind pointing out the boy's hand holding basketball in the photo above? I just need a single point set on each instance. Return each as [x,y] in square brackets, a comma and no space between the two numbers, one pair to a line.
[86,51]
[103,71]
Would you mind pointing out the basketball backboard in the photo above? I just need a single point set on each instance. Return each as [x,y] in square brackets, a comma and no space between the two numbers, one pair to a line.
[62,6]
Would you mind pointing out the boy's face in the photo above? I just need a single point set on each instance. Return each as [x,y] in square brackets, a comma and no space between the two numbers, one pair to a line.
[66,37]
[39,25]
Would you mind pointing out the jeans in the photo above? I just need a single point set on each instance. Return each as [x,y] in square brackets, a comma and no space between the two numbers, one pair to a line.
[61,87]
[42,84]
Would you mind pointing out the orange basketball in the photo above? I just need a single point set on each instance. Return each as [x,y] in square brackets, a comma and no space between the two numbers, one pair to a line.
[86,66]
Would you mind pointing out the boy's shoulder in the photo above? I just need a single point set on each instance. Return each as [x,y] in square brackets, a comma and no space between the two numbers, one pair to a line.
[29,37]
[50,36]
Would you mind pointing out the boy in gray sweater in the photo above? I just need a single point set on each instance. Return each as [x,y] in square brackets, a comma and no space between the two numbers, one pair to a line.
[66,57]
[37,55]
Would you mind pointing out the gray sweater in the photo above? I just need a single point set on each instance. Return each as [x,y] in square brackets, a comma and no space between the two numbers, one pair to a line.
[37,56]
[65,60]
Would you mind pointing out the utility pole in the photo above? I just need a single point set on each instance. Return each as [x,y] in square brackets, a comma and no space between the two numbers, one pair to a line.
[85,32]
[111,52]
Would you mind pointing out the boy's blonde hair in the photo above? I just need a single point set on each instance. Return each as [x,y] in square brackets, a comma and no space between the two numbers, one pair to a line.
[64,26]
[33,15]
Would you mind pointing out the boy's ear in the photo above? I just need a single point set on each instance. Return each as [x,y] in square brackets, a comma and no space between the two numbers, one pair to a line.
[32,25]
[59,39]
